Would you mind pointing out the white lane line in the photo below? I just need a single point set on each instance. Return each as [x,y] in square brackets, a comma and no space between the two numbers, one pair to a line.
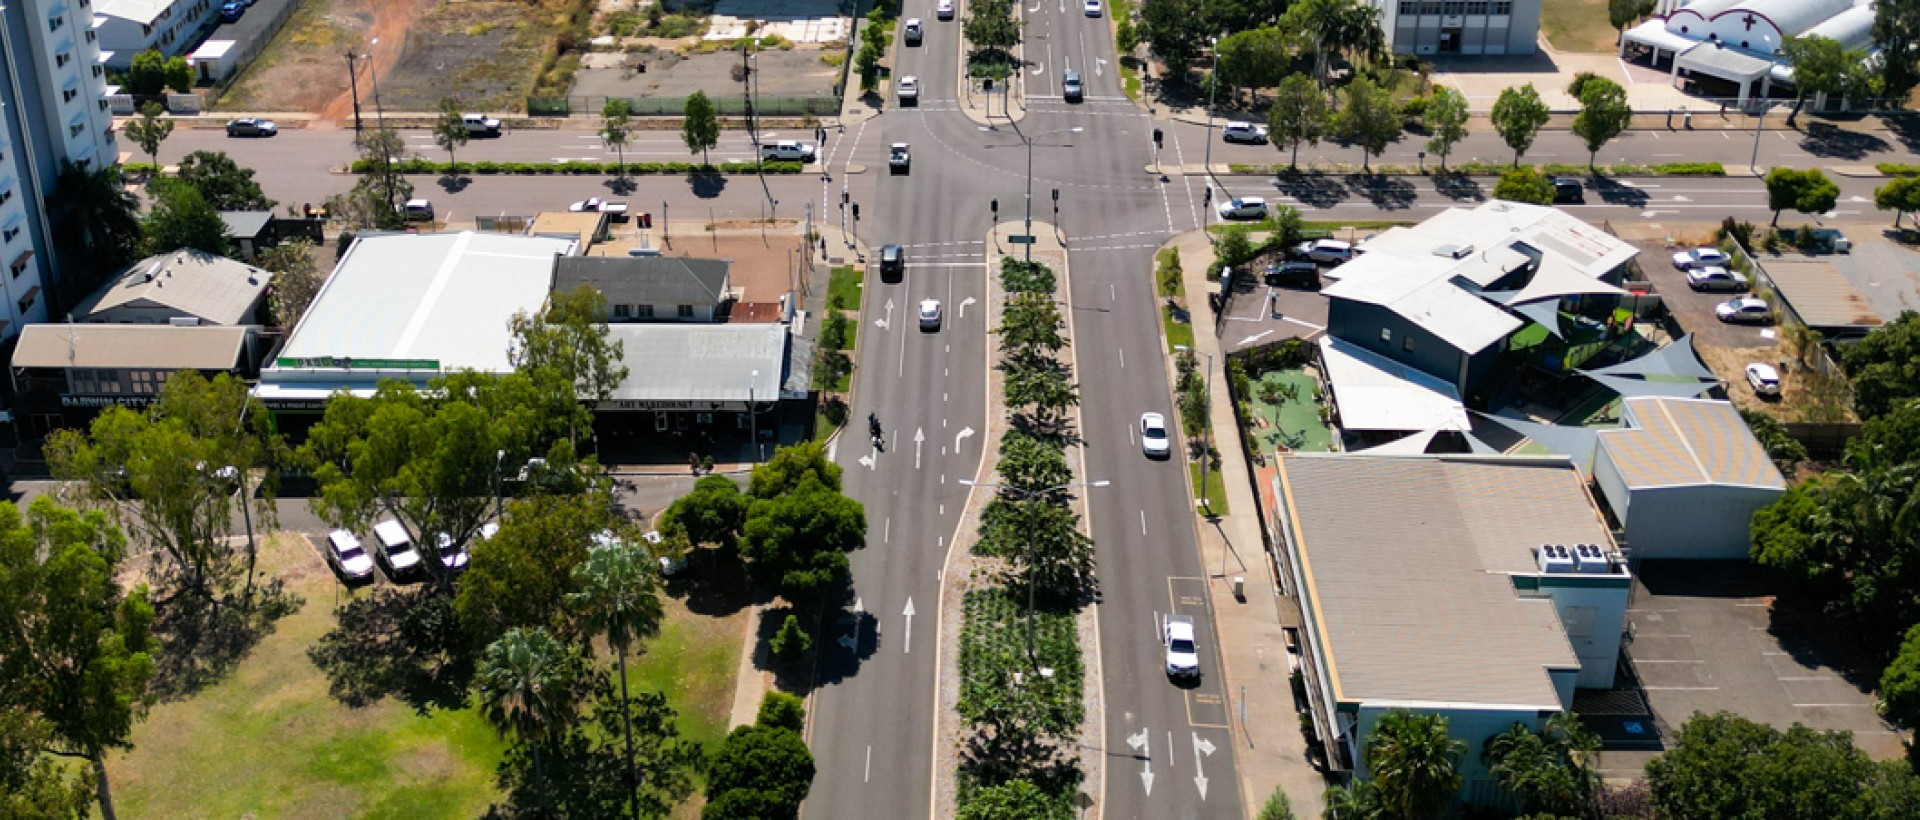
[1143,522]
[868,777]
[886,531]
[1123,359]
[1683,689]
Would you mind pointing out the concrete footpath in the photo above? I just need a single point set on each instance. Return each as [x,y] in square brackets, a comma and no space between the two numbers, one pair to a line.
[1268,750]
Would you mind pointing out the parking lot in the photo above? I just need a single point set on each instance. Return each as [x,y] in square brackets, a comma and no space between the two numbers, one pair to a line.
[1258,314]
[1709,635]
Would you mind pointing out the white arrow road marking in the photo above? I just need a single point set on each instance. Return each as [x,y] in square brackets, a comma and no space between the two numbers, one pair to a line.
[887,321]
[1858,198]
[1140,747]
[852,642]
[964,434]
[1201,745]
[1255,337]
[919,438]
[908,612]
[867,461]
[1099,66]
[1037,70]
[963,306]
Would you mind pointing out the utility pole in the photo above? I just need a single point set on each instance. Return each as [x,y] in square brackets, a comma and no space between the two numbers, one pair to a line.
[353,82]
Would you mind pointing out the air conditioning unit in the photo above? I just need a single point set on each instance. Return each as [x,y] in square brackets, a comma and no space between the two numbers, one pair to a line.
[1590,559]
[184,321]
[1555,558]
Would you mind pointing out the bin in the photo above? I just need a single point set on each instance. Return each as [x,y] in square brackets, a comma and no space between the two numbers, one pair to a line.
[646,219]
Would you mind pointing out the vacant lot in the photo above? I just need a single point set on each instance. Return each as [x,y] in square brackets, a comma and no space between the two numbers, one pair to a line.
[1578,25]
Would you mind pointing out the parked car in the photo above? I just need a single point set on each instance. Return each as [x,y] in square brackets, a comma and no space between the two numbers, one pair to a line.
[481,125]
[1293,274]
[1153,436]
[1567,189]
[1714,277]
[231,10]
[1244,132]
[1093,8]
[790,150]
[893,263]
[1183,652]
[615,209]
[417,210]
[348,557]
[1745,309]
[900,158]
[1831,241]
[909,89]
[929,314]
[395,552]
[251,127]
[943,9]
[454,558]
[1332,251]
[1700,257]
[1070,88]
[1250,207]
[913,32]
[1764,379]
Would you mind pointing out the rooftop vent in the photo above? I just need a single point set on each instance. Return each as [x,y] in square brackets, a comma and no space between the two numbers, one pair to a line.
[1454,251]
[1590,559]
[1555,558]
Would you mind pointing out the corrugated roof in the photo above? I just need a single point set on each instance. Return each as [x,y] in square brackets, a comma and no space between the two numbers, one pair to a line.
[646,280]
[139,11]
[246,223]
[1821,294]
[1373,392]
[1419,605]
[213,288]
[701,362]
[160,347]
[1688,442]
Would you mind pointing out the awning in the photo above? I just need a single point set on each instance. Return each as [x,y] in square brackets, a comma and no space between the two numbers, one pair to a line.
[1375,393]
[1556,279]
[1631,387]
[1654,34]
[1546,314]
[1725,63]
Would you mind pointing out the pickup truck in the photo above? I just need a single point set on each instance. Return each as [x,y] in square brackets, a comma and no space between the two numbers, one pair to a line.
[615,209]
[481,125]
[787,150]
[899,160]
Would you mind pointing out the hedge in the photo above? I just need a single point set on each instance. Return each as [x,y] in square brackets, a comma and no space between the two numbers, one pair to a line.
[489,167]
[1895,169]
[1625,169]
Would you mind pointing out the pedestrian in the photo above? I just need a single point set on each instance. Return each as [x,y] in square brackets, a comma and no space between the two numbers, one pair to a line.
[693,462]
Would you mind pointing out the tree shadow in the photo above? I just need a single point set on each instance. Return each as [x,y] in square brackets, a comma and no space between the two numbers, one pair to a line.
[1906,130]
[200,640]
[1385,192]
[1312,188]
[1613,192]
[1458,187]
[706,184]
[622,185]
[845,637]
[407,644]
[454,183]
[1824,140]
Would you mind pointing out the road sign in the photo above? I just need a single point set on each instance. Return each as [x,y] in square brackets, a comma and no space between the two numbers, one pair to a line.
[1020,240]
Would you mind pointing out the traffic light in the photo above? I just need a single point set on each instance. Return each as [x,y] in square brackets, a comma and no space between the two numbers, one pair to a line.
[1205,197]
[856,212]
[1159,139]
[994,206]
[1056,194]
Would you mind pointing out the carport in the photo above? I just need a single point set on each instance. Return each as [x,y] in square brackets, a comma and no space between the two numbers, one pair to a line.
[1822,297]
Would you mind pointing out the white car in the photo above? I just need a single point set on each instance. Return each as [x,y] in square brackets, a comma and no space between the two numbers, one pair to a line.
[1700,257]
[591,203]
[1764,379]
[943,9]
[481,125]
[913,32]
[1714,277]
[1247,207]
[1183,653]
[788,150]
[345,554]
[1324,250]
[1093,8]
[396,551]
[929,314]
[909,88]
[1244,132]
[1153,436]
[452,557]
[1744,309]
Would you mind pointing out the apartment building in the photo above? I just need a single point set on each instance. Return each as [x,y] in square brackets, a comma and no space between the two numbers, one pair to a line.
[52,108]
[1458,27]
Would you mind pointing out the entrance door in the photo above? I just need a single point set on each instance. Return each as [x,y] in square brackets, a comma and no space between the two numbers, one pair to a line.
[1450,41]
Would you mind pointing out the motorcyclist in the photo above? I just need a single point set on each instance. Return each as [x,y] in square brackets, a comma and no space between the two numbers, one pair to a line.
[873,424]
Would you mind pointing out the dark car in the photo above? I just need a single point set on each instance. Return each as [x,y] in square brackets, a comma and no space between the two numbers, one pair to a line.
[1294,275]
[893,263]
[1567,189]
[1070,87]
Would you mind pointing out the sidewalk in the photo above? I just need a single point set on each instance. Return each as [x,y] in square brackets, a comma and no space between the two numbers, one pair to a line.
[1269,750]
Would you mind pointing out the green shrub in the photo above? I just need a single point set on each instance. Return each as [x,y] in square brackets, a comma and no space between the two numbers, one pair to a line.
[791,643]
[1898,169]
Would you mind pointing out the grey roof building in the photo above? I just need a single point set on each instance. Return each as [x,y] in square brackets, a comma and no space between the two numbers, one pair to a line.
[1685,476]
[649,288]
[181,286]
[705,368]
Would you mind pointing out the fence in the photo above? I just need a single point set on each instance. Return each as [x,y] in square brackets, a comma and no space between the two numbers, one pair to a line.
[677,106]
[1822,440]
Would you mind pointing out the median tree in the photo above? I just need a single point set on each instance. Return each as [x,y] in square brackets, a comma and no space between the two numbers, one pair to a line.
[1901,196]
[1177,31]
[450,128]
[700,126]
[1808,191]
[1299,115]
[1518,114]
[1369,119]
[1447,119]
[222,182]
[1524,185]
[149,130]
[1604,114]
[616,128]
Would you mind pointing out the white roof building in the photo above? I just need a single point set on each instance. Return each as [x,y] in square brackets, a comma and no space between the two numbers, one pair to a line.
[1737,42]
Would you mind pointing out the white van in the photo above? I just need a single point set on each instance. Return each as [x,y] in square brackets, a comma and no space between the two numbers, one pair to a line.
[396,552]
[346,555]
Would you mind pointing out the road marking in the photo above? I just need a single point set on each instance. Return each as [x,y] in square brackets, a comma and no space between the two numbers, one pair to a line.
[886,531]
[919,438]
[1143,522]
[1170,758]
[908,614]
[1123,359]
[1141,748]
[886,321]
[1683,689]
[1200,778]
[963,310]
[1255,337]
[868,777]
[964,434]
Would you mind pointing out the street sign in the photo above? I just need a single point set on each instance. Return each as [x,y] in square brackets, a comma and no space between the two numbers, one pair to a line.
[1020,240]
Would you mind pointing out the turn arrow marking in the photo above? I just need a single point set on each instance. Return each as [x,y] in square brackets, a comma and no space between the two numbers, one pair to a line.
[964,434]
[1141,747]
[1200,745]
[963,306]
[886,322]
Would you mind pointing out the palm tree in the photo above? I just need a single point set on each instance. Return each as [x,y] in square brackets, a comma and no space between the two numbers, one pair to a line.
[617,598]
[527,686]
[1414,763]
[96,228]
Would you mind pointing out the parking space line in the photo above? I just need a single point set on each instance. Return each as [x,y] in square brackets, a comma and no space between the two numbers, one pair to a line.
[1681,689]
[1642,635]
[1856,705]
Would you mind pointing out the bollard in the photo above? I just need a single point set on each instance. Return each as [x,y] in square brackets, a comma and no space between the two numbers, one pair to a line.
[1240,587]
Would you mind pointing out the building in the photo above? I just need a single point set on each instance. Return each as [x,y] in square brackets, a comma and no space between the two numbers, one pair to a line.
[128,27]
[650,288]
[251,232]
[53,108]
[1435,27]
[693,377]
[1731,48]
[1447,295]
[186,287]
[409,307]
[1491,594]
[1684,477]
[64,374]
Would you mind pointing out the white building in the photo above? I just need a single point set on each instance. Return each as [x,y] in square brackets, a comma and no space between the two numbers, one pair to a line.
[52,108]
[1429,27]
[128,27]
[1491,593]
[1684,477]
[1731,48]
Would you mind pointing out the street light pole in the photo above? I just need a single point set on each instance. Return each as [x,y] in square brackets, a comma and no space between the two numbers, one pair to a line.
[499,482]
[353,82]
[1213,81]
[1031,586]
[1027,140]
[380,122]
[1753,164]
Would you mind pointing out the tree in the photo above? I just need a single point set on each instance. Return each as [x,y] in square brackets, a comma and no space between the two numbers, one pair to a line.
[1254,59]
[1723,765]
[1821,66]
[33,785]
[712,514]
[1368,120]
[1299,115]
[296,280]
[1550,770]
[1277,807]
[374,200]
[617,598]
[1042,537]
[222,183]
[528,685]
[1334,27]
[1899,697]
[147,74]
[149,130]
[1785,451]
[758,772]
[1126,38]
[792,642]
[1447,119]
[1029,465]
[1896,30]
[586,765]
[1016,799]
[178,74]
[1177,31]
[1604,113]
[792,466]
[797,542]
[1900,195]
[616,128]
[700,126]
[990,26]
[450,128]
[74,646]
[1808,191]
[1358,800]
[1623,13]
[522,576]
[1414,763]
[1885,366]
[1524,185]
[569,340]
[96,227]
[1518,114]
[781,710]
[181,218]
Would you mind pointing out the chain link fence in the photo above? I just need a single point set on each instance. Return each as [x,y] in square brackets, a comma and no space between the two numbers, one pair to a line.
[677,106]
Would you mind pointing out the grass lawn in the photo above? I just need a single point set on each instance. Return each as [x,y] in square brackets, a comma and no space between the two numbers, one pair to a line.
[1298,421]
[1179,331]
[269,742]
[693,661]
[853,333]
[844,286]
[1216,495]
[1579,25]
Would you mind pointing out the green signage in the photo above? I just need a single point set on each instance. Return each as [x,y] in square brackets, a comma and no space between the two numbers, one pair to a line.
[1020,240]
[350,363]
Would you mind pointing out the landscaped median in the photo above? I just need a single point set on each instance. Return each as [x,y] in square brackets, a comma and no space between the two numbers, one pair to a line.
[489,167]
[1621,169]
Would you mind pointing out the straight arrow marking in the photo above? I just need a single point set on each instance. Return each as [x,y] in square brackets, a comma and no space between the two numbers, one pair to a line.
[1200,745]
[1140,746]
[919,438]
[908,612]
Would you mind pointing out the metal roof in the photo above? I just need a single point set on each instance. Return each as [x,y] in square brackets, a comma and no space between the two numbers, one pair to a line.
[1821,294]
[646,280]
[1418,605]
[194,283]
[1688,442]
[1373,392]
[701,362]
[1722,61]
[159,347]
[246,224]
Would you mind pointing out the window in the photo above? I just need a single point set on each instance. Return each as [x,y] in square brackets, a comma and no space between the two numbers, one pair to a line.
[1454,7]
[642,311]
[91,37]
[26,303]
[1506,7]
[621,311]
[60,60]
[1386,334]
[97,69]
[68,95]
[76,129]
[6,196]
[146,30]
[686,311]
[144,382]
[9,234]
[19,265]
[1406,343]
[54,23]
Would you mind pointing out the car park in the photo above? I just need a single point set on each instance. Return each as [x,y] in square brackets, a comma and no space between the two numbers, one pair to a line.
[1700,257]
[929,314]
[900,158]
[1251,207]
[1746,310]
[909,89]
[252,127]
[787,150]
[1070,88]
[453,557]
[1714,277]
[943,10]
[1153,436]
[481,125]
[395,552]
[1293,274]
[893,263]
[1332,251]
[348,557]
[1764,380]
[913,32]
[1567,189]
[1244,132]
[1183,650]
